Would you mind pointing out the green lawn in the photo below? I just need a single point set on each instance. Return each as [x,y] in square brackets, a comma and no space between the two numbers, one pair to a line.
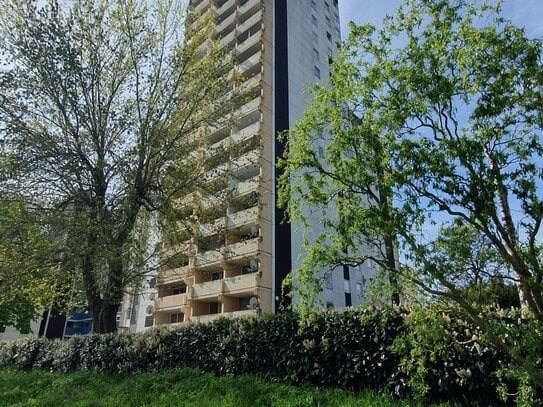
[175,388]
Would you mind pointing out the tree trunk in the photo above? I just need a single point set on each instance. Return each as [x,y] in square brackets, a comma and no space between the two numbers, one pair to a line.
[510,235]
[105,321]
[391,263]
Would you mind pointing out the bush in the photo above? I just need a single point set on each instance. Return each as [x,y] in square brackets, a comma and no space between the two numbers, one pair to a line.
[421,352]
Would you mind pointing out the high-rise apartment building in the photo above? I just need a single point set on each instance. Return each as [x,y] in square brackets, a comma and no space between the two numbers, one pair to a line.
[244,250]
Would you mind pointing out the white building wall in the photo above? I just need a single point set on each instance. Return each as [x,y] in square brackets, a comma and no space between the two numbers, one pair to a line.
[313,34]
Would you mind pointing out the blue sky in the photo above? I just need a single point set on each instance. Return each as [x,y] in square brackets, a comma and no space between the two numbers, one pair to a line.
[527,13]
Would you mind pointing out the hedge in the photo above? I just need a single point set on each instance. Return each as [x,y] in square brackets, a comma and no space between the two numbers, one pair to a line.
[406,353]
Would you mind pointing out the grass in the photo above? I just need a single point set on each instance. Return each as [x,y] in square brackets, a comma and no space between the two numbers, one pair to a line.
[174,388]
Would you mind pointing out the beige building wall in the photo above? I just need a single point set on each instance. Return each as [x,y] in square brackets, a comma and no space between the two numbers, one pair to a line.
[228,271]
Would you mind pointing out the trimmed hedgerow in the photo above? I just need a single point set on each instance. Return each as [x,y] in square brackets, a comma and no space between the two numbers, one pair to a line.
[417,353]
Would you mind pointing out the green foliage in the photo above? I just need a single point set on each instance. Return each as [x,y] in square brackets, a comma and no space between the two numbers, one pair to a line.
[432,122]
[99,101]
[430,129]
[443,354]
[31,277]
[426,353]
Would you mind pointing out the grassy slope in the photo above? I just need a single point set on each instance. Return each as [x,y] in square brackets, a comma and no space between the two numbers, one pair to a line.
[176,388]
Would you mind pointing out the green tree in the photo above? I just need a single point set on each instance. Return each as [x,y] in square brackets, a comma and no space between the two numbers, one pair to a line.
[440,113]
[97,103]
[441,110]
[30,275]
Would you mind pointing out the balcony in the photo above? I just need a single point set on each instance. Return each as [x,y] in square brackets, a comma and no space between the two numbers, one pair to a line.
[246,132]
[207,259]
[244,282]
[249,42]
[212,317]
[248,63]
[207,289]
[249,6]
[227,39]
[217,147]
[250,22]
[246,187]
[248,159]
[170,302]
[250,84]
[173,275]
[214,173]
[208,229]
[228,7]
[226,25]
[202,5]
[242,249]
[210,201]
[248,107]
[242,218]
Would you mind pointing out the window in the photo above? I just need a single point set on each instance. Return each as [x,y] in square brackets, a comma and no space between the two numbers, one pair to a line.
[315,54]
[346,274]
[244,303]
[315,37]
[149,320]
[327,6]
[347,286]
[175,318]
[328,22]
[313,5]
[329,36]
[182,289]
[314,20]
[317,72]
[348,300]
[216,275]
[214,307]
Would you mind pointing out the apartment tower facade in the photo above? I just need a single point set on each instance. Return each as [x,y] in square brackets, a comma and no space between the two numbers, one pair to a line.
[244,250]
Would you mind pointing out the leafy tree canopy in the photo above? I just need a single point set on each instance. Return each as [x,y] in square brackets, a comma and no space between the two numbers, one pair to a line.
[432,144]
[97,102]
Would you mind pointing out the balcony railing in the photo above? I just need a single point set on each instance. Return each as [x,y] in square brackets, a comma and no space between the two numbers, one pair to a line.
[248,63]
[235,314]
[248,6]
[242,218]
[207,289]
[173,275]
[170,302]
[227,23]
[242,249]
[207,258]
[244,282]
[255,18]
[245,187]
[249,42]
[228,6]
[212,228]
